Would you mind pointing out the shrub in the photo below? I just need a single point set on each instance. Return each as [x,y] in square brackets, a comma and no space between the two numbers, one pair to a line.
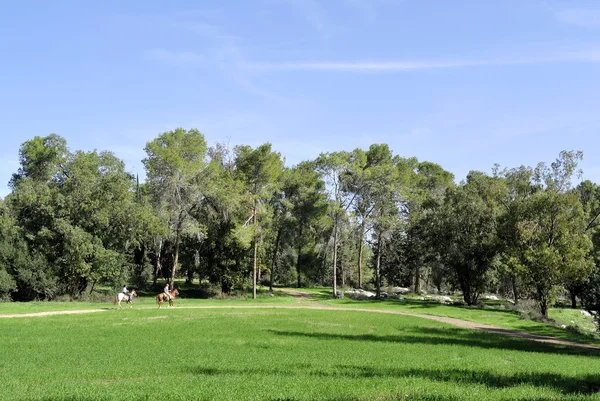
[590,297]
[529,309]
[7,285]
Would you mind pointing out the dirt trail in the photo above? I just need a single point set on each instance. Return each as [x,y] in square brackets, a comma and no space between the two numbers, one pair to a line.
[449,320]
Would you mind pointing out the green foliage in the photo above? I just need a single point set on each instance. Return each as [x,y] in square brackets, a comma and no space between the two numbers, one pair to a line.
[174,167]
[591,296]
[41,158]
[7,285]
[464,232]
[77,221]
[77,218]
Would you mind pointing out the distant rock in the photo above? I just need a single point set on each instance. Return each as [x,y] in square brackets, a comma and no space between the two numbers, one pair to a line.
[359,294]
[438,298]
[400,290]
[491,297]
[586,313]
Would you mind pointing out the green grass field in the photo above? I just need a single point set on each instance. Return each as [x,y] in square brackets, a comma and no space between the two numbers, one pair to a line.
[280,354]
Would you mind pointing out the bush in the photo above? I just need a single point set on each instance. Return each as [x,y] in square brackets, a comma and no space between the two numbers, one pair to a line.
[142,275]
[590,297]
[7,285]
[529,309]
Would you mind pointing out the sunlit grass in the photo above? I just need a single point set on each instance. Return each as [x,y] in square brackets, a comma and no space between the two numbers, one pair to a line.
[270,354]
[491,315]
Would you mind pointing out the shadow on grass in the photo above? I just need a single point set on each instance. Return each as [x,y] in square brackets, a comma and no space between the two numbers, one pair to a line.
[415,304]
[451,336]
[543,329]
[567,385]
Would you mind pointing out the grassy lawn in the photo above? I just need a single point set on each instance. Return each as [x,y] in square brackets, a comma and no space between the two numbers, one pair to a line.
[279,354]
[492,315]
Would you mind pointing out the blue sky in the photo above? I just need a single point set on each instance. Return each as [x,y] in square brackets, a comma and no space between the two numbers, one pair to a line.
[463,83]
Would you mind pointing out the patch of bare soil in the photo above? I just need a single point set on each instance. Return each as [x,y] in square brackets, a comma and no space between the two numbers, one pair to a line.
[61,312]
[300,295]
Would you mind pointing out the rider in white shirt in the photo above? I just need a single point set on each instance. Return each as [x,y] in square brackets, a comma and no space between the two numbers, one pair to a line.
[167,293]
[126,292]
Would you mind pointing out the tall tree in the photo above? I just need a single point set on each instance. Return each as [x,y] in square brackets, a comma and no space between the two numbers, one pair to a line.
[12,252]
[305,192]
[551,238]
[465,233]
[333,169]
[81,224]
[427,187]
[385,190]
[260,169]
[174,170]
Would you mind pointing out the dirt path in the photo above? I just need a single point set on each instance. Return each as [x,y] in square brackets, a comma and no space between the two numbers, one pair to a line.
[448,320]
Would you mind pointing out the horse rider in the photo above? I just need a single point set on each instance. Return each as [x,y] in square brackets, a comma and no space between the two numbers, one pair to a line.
[167,293]
[126,292]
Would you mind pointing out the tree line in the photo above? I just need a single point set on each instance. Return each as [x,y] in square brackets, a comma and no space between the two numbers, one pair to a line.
[239,218]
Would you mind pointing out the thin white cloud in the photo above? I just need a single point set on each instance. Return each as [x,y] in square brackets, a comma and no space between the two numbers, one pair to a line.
[362,66]
[583,56]
[582,17]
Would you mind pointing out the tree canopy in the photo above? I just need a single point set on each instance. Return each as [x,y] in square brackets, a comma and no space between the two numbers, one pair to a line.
[238,218]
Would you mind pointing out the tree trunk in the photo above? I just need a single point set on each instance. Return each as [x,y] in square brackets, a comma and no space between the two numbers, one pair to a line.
[544,308]
[417,279]
[342,270]
[274,260]
[176,261]
[225,286]
[298,265]
[573,295]
[255,255]
[158,267]
[378,266]
[515,289]
[335,239]
[360,252]
[543,301]
[465,287]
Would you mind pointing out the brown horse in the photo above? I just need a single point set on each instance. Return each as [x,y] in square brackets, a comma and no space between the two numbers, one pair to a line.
[160,298]
[124,297]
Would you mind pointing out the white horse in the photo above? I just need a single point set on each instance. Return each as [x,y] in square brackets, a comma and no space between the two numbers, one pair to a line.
[128,298]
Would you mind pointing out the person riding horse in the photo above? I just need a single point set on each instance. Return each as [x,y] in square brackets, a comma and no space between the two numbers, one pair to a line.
[128,298]
[167,293]
[126,292]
